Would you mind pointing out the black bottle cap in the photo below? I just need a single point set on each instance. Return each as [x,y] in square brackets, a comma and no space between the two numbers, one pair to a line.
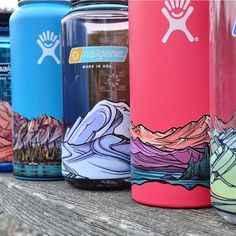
[4,23]
[5,16]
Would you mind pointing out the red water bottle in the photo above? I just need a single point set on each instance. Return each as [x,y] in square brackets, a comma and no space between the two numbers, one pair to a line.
[169,65]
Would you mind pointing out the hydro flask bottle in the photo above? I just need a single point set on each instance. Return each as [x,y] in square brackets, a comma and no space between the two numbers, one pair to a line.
[223,108]
[96,144]
[6,150]
[36,88]
[169,70]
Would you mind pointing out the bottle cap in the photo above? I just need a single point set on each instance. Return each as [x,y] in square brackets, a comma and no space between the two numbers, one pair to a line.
[5,16]
[4,23]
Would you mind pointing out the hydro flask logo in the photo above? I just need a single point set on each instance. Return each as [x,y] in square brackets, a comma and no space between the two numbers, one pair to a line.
[177,13]
[48,42]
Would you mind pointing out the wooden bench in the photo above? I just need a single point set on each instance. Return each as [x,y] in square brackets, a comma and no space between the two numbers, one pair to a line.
[59,209]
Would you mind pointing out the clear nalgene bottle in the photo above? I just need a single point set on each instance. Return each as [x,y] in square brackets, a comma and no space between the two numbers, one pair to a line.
[96,145]
[36,88]
[223,108]
[6,151]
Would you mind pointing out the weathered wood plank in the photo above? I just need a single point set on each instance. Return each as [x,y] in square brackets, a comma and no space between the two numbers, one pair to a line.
[10,226]
[59,209]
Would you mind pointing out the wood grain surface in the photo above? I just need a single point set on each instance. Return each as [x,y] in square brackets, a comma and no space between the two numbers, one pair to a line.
[11,226]
[59,209]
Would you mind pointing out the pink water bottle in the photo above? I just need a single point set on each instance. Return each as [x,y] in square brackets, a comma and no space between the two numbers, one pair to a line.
[169,64]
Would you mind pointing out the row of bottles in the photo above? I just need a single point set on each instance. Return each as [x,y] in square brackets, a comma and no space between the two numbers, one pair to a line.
[74,104]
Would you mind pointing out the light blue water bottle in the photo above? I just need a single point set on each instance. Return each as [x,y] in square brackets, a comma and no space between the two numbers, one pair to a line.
[36,88]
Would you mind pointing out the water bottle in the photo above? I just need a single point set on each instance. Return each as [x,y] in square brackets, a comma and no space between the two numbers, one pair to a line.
[6,150]
[169,80]
[223,107]
[96,144]
[36,88]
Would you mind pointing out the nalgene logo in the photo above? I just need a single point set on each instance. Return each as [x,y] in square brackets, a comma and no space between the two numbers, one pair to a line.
[234,29]
[98,54]
[177,13]
[5,69]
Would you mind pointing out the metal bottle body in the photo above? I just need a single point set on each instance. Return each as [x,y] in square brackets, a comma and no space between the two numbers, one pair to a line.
[36,88]
[95,149]
[223,105]
[169,70]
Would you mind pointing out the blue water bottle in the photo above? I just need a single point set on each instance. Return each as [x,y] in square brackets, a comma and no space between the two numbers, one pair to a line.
[36,88]
[6,151]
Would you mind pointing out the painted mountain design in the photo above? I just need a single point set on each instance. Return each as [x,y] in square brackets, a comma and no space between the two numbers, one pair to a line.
[223,165]
[6,149]
[221,126]
[37,140]
[97,146]
[177,156]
